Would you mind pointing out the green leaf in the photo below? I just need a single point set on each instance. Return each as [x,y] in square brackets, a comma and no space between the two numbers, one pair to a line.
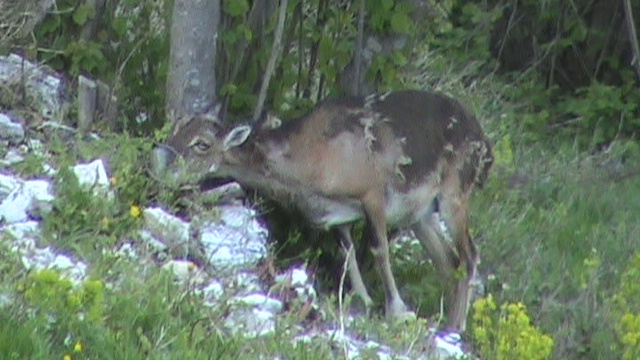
[229,89]
[401,23]
[236,7]
[246,32]
[399,59]
[50,24]
[387,5]
[119,25]
[83,13]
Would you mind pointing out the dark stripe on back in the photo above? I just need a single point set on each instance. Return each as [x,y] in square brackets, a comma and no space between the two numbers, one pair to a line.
[424,120]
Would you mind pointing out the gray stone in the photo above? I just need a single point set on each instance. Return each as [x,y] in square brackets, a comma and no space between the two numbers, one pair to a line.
[45,90]
[27,197]
[10,131]
[237,241]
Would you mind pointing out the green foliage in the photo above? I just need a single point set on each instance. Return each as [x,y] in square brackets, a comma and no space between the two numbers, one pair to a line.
[55,297]
[236,7]
[31,166]
[68,51]
[626,306]
[508,333]
[129,170]
[319,45]
[389,16]
[461,31]
[604,111]
[545,238]
[80,218]
[129,49]
[503,152]
[19,338]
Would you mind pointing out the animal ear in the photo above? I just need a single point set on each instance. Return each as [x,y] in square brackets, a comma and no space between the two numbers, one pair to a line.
[213,114]
[236,137]
[268,121]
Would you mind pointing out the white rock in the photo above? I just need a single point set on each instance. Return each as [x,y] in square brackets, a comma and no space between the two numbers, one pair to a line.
[184,270]
[47,258]
[93,176]
[22,230]
[165,226]
[127,250]
[12,157]
[237,241]
[148,238]
[44,91]
[251,323]
[298,279]
[262,302]
[297,276]
[212,292]
[247,282]
[7,185]
[10,131]
[28,197]
[449,346]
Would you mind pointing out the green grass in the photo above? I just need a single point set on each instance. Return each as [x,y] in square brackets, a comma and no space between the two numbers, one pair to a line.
[559,242]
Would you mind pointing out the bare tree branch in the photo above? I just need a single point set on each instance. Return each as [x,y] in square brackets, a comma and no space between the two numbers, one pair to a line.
[359,48]
[276,48]
[633,36]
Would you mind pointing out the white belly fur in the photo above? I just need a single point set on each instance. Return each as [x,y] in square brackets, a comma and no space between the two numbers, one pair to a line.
[402,209]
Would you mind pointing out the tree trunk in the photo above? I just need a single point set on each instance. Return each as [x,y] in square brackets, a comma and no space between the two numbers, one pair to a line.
[191,82]
[353,81]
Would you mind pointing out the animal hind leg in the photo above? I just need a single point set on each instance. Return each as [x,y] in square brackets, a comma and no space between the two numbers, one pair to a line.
[348,250]
[454,208]
[374,209]
[437,248]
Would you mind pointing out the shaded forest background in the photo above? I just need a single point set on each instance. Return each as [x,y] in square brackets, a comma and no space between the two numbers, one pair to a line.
[572,61]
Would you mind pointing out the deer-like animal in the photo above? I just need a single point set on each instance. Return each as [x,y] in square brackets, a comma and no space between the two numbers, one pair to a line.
[388,159]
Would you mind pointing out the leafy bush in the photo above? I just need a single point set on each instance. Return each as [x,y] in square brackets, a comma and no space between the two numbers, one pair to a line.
[55,297]
[507,333]
[603,112]
[128,48]
[626,305]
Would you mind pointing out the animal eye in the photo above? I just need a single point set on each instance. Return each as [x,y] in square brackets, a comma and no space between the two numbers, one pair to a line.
[201,146]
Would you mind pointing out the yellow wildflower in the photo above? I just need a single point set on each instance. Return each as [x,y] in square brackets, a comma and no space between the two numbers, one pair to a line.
[77,347]
[135,211]
[67,357]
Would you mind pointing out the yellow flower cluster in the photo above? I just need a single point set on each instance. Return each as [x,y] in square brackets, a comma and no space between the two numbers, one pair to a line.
[626,307]
[630,339]
[507,334]
[135,211]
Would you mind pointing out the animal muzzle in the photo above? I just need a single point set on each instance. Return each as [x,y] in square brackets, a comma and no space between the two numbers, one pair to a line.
[163,158]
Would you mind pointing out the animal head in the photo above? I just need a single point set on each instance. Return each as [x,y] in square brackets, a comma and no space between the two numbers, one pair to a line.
[199,146]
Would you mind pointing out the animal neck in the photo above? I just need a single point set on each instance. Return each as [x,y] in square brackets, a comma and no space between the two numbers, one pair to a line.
[253,168]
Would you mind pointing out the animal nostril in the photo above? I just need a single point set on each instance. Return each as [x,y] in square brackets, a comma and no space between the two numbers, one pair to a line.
[161,158]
